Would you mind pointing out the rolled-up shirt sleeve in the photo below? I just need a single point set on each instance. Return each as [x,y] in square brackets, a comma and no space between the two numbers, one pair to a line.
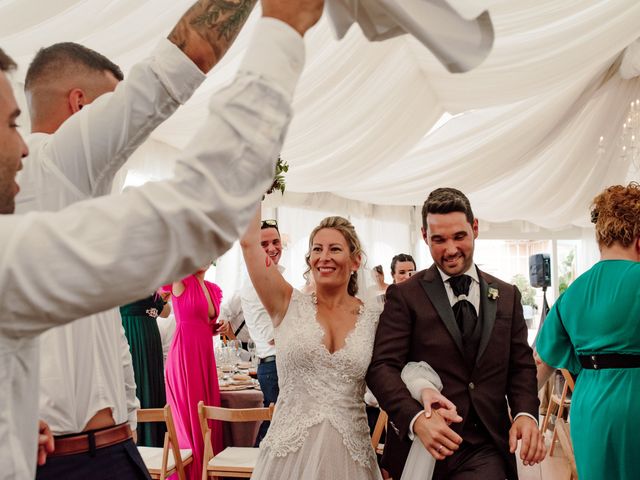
[94,255]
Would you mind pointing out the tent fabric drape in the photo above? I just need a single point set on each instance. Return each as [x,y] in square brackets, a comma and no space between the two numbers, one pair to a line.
[523,142]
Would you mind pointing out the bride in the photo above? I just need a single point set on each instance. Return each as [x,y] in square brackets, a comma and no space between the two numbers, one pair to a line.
[324,342]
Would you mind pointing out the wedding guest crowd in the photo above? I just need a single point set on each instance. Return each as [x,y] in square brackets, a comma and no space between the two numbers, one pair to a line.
[452,327]
[141,235]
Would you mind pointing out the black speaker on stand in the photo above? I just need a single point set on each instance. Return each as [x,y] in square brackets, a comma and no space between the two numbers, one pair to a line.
[540,277]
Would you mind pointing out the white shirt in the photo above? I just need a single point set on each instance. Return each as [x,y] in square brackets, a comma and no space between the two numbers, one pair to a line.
[86,365]
[95,255]
[459,33]
[231,310]
[258,320]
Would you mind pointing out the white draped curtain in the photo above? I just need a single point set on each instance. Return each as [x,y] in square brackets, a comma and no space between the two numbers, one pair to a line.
[523,140]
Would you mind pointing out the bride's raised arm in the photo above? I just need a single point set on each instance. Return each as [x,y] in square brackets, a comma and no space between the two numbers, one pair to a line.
[272,289]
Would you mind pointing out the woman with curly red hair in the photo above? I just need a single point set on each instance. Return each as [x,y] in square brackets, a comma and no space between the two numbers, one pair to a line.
[594,330]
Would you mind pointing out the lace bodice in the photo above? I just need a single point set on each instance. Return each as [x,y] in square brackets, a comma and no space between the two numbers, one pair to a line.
[316,385]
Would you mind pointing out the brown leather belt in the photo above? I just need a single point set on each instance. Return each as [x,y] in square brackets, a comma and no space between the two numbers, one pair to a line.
[91,440]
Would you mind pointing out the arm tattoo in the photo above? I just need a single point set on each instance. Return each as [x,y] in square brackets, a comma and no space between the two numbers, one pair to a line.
[215,23]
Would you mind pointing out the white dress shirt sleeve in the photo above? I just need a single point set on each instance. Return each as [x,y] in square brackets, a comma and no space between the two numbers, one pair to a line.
[258,322]
[133,403]
[91,145]
[56,267]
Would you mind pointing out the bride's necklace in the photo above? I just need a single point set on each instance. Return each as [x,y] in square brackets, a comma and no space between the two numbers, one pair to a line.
[350,310]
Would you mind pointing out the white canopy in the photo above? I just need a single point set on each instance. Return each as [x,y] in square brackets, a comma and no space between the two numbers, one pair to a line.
[524,141]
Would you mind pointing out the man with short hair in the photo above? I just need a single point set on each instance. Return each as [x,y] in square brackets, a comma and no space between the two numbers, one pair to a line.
[86,120]
[55,267]
[259,322]
[469,326]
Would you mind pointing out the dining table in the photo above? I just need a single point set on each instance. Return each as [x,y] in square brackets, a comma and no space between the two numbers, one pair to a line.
[240,434]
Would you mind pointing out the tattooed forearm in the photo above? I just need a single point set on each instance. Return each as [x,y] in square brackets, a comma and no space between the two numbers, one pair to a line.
[209,28]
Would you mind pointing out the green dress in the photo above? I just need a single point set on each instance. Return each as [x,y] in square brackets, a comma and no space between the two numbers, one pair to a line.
[141,329]
[600,313]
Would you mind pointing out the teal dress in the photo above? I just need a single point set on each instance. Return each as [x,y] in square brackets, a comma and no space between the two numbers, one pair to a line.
[600,313]
[141,329]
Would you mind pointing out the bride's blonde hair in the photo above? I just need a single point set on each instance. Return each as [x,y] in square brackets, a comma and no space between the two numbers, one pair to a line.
[348,231]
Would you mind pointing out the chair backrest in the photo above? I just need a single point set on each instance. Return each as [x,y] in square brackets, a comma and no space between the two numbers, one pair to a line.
[234,414]
[226,415]
[381,425]
[568,379]
[170,437]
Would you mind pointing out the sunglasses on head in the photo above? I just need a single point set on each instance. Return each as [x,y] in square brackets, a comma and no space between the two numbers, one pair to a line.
[269,224]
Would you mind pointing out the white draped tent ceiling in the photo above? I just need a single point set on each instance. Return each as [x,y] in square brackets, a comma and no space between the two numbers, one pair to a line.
[523,132]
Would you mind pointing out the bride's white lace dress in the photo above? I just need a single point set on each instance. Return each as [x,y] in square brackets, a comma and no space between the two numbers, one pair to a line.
[319,429]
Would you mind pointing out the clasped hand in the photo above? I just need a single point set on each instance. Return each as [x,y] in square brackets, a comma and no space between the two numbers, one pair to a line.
[433,426]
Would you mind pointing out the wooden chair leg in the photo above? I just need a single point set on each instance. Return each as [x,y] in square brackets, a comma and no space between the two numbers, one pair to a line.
[563,398]
[545,422]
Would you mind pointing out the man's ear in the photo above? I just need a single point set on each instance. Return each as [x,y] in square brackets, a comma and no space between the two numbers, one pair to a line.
[474,226]
[424,234]
[77,99]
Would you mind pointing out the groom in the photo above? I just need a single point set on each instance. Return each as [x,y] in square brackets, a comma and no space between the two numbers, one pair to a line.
[470,328]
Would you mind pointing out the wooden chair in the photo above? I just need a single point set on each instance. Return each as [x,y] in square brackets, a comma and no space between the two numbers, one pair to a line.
[563,432]
[236,462]
[381,425]
[165,461]
[561,402]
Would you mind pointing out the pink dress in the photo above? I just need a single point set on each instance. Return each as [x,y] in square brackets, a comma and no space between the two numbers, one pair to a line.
[191,369]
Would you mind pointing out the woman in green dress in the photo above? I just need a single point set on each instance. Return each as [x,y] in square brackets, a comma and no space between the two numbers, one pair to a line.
[141,328]
[593,330]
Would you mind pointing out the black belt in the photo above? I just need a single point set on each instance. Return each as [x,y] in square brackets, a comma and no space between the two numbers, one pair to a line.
[609,360]
[270,358]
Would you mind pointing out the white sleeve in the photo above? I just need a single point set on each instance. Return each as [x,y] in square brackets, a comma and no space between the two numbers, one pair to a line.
[95,255]
[420,375]
[91,145]
[133,403]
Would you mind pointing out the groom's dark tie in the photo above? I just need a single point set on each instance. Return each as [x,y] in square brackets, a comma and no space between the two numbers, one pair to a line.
[466,316]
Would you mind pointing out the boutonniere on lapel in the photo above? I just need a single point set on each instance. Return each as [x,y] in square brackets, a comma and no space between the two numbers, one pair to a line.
[493,293]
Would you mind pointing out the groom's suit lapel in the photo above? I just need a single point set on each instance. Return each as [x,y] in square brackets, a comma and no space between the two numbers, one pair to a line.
[488,308]
[434,288]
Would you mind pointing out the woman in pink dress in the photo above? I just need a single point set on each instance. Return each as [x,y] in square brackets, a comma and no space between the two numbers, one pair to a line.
[191,368]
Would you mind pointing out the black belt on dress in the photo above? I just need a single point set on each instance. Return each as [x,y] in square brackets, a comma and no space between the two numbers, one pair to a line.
[609,360]
[270,358]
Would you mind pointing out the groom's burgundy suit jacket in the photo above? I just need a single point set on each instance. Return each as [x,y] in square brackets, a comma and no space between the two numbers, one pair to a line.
[418,324]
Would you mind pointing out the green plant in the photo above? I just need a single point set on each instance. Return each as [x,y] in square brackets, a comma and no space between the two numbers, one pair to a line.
[282,167]
[527,291]
[566,271]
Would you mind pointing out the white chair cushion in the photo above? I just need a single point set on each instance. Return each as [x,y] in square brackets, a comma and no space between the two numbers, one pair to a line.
[236,458]
[152,457]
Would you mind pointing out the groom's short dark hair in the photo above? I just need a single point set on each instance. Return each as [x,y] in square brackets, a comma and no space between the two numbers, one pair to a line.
[446,200]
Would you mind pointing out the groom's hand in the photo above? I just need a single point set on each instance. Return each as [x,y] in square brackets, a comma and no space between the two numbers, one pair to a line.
[532,449]
[436,436]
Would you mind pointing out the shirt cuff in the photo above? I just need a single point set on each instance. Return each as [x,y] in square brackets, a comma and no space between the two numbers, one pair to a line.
[527,415]
[276,52]
[410,434]
[177,72]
